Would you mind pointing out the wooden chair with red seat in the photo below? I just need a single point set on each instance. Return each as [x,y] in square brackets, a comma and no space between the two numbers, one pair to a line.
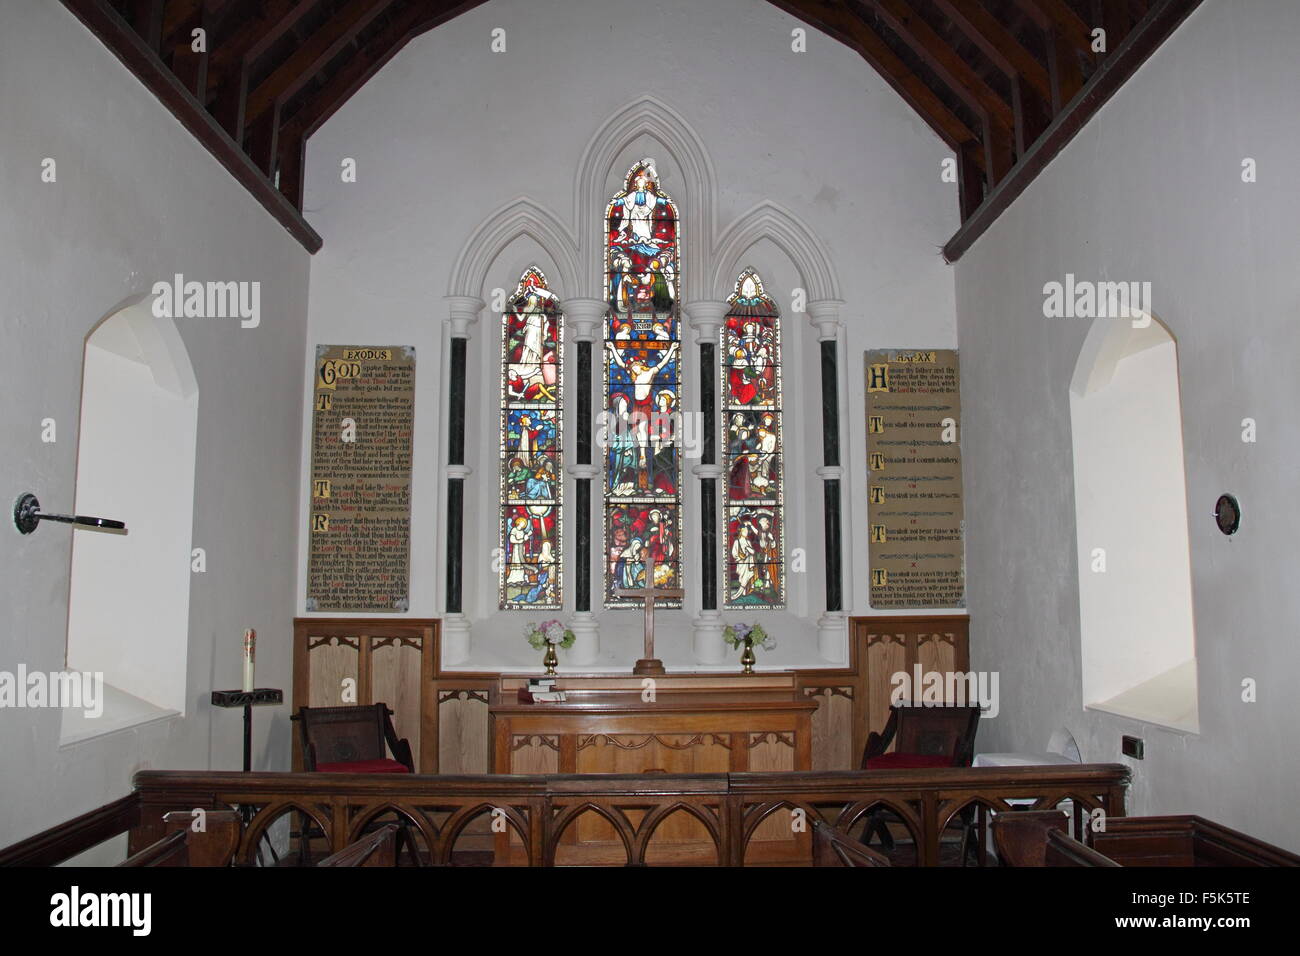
[352,740]
[924,736]
[349,739]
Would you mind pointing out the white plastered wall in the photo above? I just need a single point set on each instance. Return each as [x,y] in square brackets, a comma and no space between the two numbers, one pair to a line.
[1152,190]
[136,201]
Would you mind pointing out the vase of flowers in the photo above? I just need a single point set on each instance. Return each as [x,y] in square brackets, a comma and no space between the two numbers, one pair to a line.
[548,635]
[746,636]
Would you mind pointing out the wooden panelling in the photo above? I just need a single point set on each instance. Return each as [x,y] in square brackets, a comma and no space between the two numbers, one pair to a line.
[395,679]
[855,698]
[463,740]
[832,724]
[340,661]
[534,753]
[333,662]
[885,654]
[453,735]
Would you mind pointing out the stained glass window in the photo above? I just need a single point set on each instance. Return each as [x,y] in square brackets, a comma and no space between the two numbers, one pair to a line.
[532,346]
[751,426]
[643,387]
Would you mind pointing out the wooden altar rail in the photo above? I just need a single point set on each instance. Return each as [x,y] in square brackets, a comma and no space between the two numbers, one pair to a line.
[540,808]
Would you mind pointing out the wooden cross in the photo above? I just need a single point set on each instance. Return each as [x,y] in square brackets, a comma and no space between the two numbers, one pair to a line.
[649,665]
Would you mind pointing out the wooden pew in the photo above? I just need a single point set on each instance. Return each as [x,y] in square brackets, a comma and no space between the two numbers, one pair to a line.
[1041,838]
[1065,850]
[215,845]
[66,840]
[1184,841]
[833,847]
[381,848]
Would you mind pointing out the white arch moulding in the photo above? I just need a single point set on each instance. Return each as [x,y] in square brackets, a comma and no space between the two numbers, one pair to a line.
[768,220]
[608,147]
[521,217]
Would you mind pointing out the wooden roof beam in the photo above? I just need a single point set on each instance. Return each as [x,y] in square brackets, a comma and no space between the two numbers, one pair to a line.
[190,67]
[176,16]
[843,25]
[999,44]
[406,24]
[118,36]
[231,57]
[960,78]
[320,105]
[1031,87]
[1058,15]
[1162,18]
[308,60]
[255,32]
[147,19]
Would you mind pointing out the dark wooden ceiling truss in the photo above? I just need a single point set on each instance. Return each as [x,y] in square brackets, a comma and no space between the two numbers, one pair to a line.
[1004,83]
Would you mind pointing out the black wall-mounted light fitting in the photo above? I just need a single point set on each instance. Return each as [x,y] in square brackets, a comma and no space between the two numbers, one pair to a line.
[1227,514]
[28,514]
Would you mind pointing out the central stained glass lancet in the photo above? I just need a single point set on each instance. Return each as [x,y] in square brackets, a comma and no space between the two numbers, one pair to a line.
[643,387]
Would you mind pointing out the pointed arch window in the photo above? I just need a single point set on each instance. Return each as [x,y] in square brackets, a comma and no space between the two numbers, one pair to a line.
[751,426]
[643,386]
[532,381]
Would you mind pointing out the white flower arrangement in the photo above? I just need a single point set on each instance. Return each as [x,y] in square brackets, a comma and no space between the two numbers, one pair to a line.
[548,632]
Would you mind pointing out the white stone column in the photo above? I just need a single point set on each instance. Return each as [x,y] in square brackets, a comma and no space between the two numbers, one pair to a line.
[584,318]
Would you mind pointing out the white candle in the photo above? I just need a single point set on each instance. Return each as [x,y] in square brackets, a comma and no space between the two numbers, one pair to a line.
[250,638]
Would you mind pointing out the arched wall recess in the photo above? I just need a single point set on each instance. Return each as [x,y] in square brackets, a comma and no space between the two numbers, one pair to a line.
[128,608]
[1138,649]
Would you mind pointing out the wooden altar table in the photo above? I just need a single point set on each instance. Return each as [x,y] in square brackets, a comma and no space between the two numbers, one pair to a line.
[695,724]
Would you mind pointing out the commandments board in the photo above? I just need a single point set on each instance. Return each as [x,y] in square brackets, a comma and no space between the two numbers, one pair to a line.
[914,490]
[360,522]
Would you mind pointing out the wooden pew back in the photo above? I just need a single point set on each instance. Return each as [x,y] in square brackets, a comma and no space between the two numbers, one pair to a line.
[380,848]
[1040,838]
[1184,841]
[834,847]
[214,845]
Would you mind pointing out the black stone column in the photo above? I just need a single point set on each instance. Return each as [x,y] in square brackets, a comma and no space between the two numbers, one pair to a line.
[584,318]
[455,485]
[708,485]
[824,316]
[462,313]
[706,318]
[582,486]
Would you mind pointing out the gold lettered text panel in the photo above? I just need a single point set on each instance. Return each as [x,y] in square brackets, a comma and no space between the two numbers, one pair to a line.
[914,489]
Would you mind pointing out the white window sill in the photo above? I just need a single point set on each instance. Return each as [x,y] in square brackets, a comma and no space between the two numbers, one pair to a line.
[1167,700]
[121,711]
